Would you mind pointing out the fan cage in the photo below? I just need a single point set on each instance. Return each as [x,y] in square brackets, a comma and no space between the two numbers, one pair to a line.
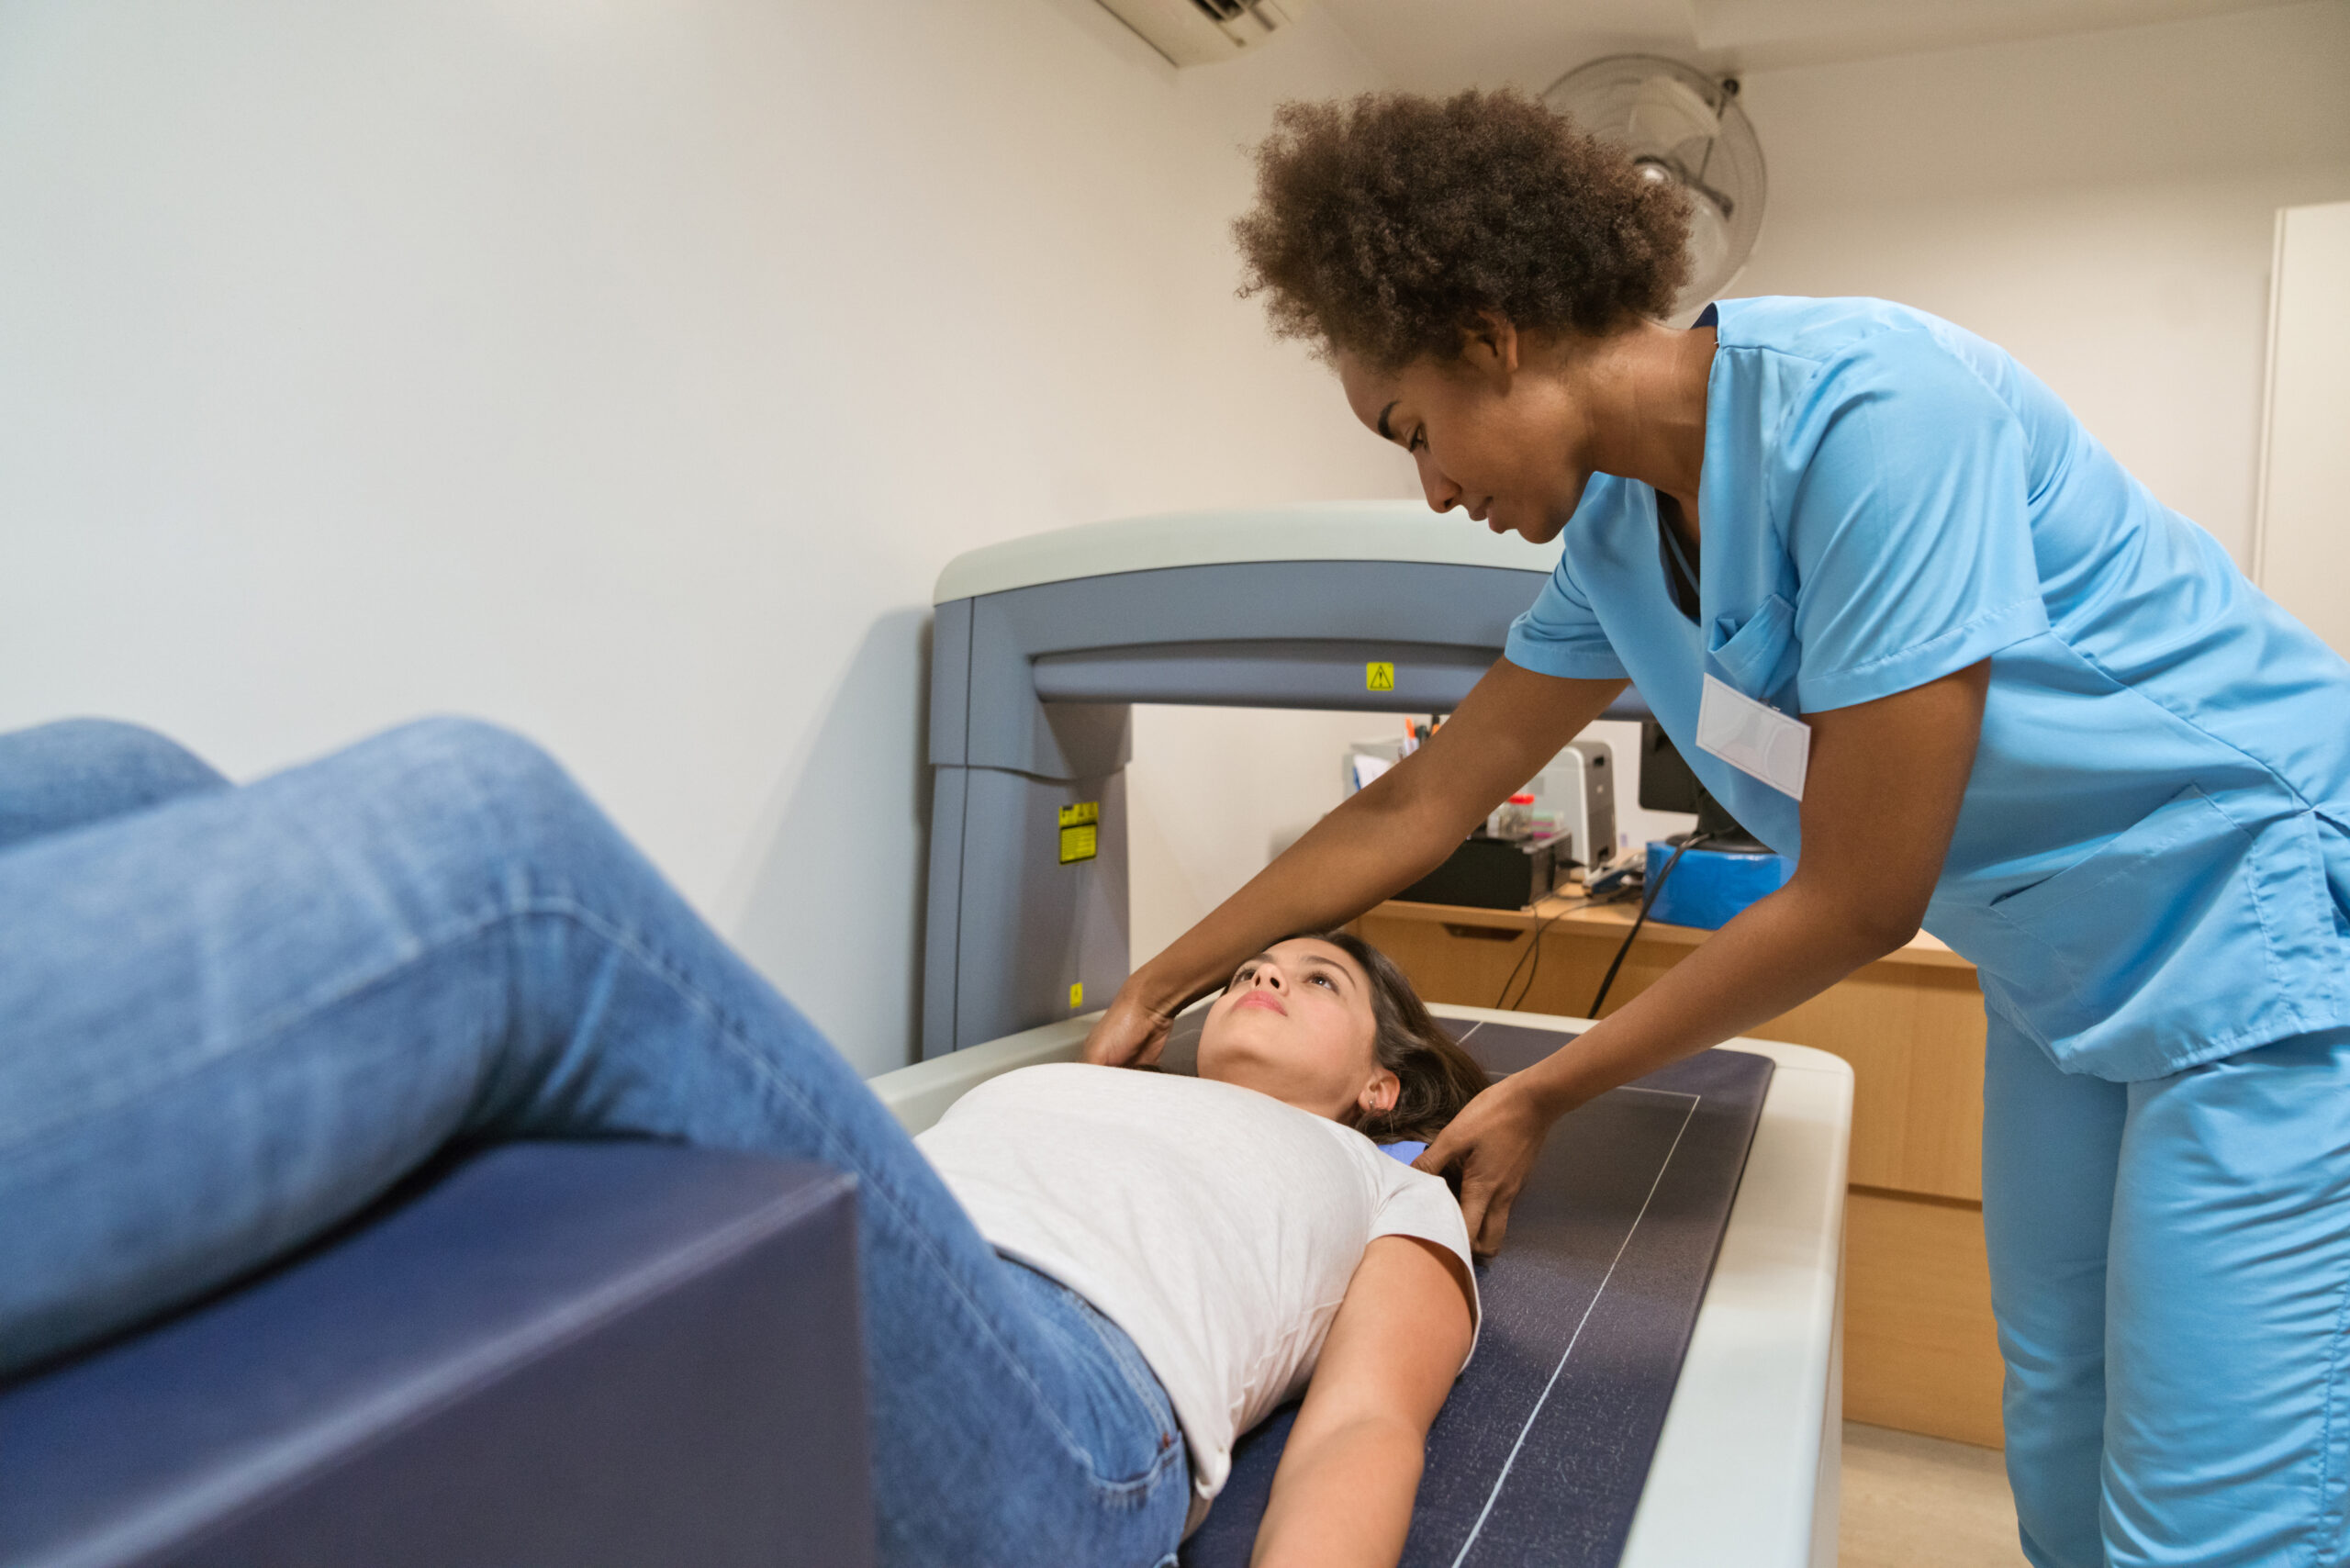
[1725,176]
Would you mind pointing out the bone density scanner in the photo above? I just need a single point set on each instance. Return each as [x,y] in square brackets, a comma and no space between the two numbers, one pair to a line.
[1042,645]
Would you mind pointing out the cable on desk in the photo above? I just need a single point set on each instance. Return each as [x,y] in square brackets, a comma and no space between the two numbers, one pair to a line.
[1534,948]
[1648,901]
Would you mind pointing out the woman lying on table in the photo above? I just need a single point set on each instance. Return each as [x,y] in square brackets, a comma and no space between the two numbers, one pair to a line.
[235,1017]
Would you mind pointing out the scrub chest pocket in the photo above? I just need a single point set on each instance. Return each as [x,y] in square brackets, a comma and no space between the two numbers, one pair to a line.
[2178,941]
[1757,656]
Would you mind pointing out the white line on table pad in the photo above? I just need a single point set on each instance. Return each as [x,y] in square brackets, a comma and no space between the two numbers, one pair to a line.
[1531,1416]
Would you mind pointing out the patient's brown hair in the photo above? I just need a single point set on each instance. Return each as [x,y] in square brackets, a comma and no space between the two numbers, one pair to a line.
[1438,1076]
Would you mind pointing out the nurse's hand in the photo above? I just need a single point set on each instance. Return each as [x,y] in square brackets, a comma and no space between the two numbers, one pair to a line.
[1129,1034]
[1492,1145]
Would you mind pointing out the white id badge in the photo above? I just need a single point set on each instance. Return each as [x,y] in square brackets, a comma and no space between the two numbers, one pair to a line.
[1759,741]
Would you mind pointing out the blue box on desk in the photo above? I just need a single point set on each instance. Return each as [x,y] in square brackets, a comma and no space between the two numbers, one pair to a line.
[1709,886]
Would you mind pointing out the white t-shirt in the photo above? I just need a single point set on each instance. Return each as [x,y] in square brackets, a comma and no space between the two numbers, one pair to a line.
[1216,1226]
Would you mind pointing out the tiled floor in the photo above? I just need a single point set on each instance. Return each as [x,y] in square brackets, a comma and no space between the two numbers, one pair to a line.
[1911,1502]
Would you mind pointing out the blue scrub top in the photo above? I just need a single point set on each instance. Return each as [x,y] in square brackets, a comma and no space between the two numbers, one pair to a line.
[2152,866]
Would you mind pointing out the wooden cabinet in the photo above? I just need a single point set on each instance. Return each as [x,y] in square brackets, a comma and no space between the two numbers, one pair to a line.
[1919,1351]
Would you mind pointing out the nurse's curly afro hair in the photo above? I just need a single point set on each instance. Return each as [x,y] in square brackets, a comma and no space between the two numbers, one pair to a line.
[1384,227]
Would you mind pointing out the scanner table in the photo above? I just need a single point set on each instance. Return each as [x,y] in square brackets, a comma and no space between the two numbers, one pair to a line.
[1657,1376]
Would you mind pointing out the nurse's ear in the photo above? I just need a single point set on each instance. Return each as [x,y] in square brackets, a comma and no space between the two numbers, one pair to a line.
[1491,346]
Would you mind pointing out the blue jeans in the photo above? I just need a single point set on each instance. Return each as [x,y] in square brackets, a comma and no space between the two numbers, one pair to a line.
[230,1018]
[2170,1265]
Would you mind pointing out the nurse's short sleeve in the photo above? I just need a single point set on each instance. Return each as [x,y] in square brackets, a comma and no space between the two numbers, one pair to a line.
[1908,524]
[1558,635]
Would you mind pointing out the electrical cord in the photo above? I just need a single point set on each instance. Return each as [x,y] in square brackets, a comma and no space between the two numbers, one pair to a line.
[1534,948]
[1648,901]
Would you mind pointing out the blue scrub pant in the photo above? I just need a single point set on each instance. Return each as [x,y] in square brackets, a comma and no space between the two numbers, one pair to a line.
[2170,1265]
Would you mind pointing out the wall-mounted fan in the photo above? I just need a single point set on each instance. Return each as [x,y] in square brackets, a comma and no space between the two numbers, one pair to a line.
[1685,127]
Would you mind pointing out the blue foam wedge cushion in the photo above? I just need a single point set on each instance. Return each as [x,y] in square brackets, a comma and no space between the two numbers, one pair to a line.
[1709,887]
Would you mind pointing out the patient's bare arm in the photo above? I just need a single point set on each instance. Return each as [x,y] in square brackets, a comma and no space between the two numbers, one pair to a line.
[1343,1494]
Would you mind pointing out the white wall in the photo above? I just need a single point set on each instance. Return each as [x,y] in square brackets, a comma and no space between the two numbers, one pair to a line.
[1214,793]
[622,370]
[2301,551]
[2102,206]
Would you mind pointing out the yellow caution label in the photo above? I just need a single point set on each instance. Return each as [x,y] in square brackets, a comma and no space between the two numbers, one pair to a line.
[1080,831]
[1378,677]
[1077,997]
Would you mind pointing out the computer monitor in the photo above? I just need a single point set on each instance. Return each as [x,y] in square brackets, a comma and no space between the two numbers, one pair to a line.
[1667,784]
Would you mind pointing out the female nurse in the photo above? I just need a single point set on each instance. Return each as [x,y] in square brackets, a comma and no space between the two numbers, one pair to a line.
[1971,675]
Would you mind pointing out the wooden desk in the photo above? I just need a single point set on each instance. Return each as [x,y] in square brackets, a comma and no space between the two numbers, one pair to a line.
[1919,1351]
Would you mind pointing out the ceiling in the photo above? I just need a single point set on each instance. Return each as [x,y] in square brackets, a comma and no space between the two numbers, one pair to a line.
[1440,46]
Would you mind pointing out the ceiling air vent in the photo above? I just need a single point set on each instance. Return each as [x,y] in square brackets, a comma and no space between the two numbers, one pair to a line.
[1201,32]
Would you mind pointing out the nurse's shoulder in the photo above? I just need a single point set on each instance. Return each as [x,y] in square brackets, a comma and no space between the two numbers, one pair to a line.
[1854,330]
[1804,368]
[1819,354]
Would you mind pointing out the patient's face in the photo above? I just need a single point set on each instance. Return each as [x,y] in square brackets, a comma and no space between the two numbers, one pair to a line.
[1296,1022]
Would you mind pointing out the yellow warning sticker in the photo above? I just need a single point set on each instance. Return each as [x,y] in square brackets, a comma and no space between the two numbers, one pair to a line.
[1378,677]
[1080,831]
[1077,996]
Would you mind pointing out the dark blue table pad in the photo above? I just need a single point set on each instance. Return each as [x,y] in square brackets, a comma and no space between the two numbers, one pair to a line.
[592,1354]
[1540,1453]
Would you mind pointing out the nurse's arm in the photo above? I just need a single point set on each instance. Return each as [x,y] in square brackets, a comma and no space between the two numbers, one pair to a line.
[1342,1494]
[1880,803]
[1385,837]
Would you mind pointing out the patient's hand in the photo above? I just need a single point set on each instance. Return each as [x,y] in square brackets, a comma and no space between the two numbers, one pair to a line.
[1129,1035]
